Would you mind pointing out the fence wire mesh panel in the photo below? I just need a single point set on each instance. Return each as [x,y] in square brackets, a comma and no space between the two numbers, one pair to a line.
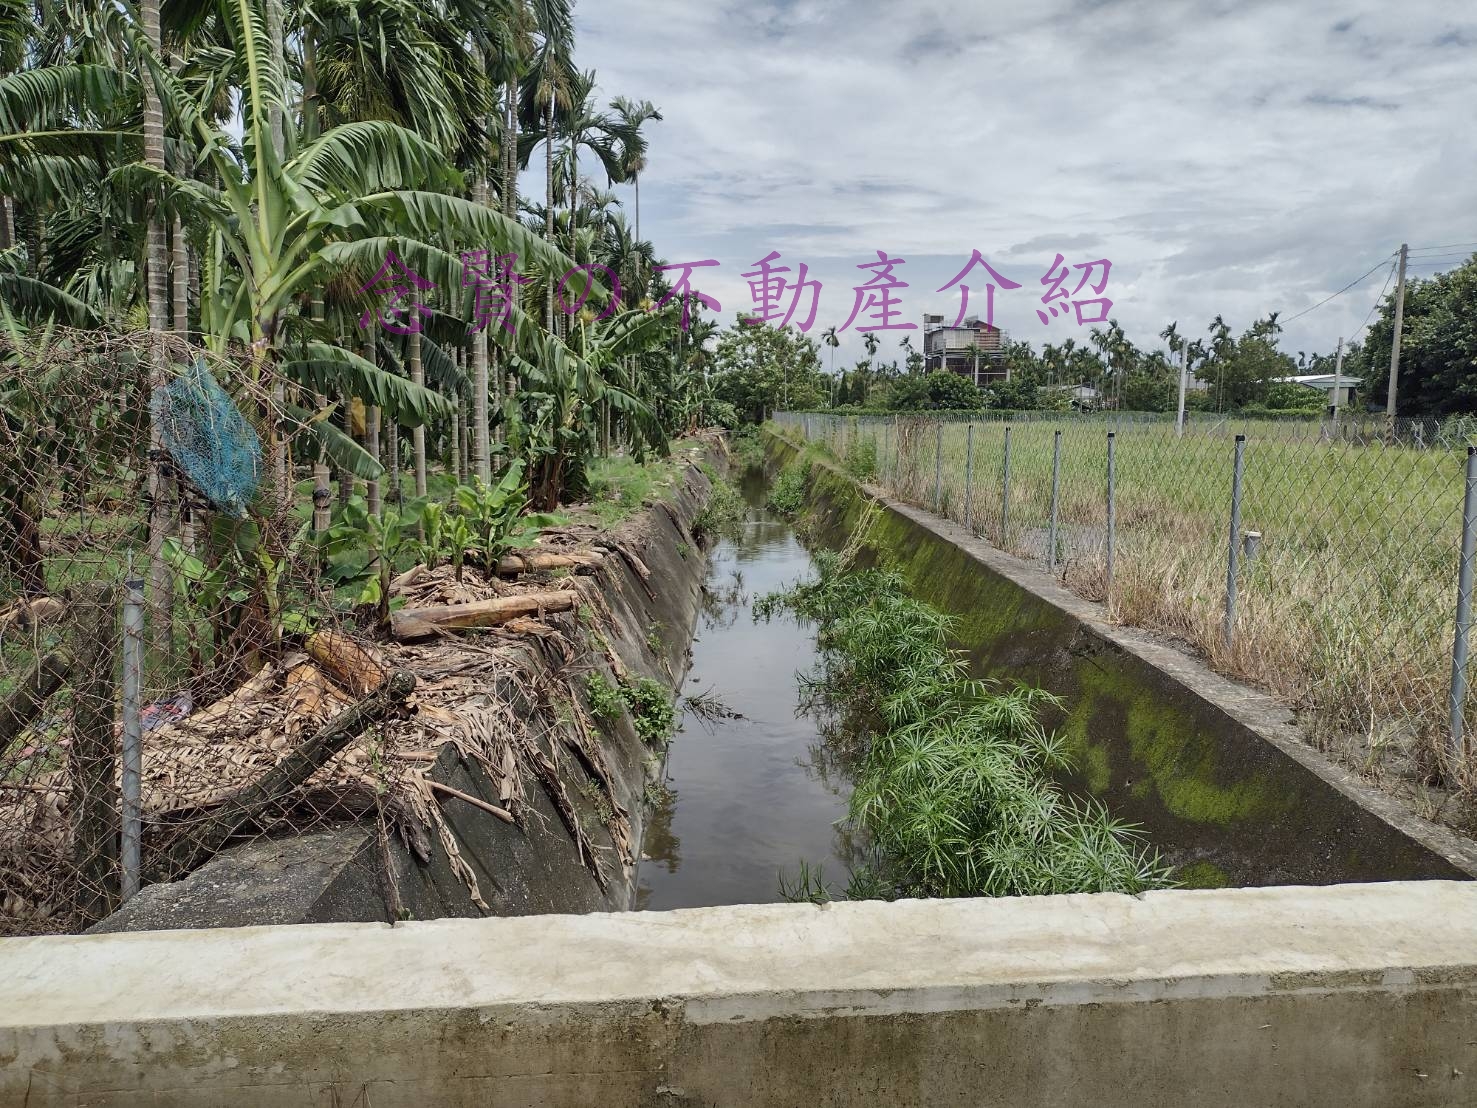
[134,757]
[1348,551]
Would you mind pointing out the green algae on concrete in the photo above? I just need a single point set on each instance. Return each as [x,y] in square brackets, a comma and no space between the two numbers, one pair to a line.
[1170,751]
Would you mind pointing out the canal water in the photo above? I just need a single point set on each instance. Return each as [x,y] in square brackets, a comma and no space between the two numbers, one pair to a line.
[753,794]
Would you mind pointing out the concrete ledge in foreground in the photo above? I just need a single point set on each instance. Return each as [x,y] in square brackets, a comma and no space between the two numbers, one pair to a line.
[1346,995]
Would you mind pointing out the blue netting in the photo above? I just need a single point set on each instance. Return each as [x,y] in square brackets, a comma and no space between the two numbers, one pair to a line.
[209,439]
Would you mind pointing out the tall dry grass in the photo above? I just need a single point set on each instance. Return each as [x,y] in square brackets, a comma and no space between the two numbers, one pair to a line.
[1347,610]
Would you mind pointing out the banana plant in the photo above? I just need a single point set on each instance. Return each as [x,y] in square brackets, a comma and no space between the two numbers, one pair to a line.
[361,549]
[278,222]
[494,515]
[566,387]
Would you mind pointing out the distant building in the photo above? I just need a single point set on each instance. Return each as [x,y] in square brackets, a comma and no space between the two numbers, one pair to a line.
[1325,383]
[974,349]
[1084,397]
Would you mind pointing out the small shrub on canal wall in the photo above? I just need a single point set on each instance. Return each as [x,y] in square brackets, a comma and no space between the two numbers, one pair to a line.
[953,783]
[605,698]
[861,459]
[652,711]
[723,515]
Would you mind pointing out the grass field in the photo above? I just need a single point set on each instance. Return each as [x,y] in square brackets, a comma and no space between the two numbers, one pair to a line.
[1346,610]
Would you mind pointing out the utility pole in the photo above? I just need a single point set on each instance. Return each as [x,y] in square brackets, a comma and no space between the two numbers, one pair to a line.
[1395,346]
[1338,376]
[1179,417]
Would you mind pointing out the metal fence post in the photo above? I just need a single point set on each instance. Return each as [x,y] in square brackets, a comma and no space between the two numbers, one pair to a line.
[1005,494]
[1112,521]
[897,445]
[938,466]
[132,775]
[1235,545]
[1457,744]
[968,475]
[1056,483]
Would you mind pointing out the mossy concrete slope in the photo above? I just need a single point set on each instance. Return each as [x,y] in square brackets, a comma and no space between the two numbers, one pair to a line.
[1352,996]
[1213,770]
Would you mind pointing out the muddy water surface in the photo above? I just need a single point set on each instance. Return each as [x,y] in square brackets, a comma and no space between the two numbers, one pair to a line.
[752,796]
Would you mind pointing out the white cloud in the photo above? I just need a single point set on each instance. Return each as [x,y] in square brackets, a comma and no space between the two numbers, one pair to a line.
[1229,158]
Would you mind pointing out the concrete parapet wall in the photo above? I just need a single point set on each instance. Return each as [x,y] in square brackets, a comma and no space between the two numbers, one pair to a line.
[1345,996]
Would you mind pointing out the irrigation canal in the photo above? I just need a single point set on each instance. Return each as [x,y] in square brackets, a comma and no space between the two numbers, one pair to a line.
[753,796]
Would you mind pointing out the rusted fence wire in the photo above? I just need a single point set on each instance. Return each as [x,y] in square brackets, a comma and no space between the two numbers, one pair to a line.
[142,598]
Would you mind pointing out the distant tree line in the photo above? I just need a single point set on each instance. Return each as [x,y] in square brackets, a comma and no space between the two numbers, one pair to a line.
[759,368]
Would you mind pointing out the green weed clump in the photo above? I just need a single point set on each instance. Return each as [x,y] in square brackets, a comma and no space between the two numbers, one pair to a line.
[605,698]
[746,450]
[861,459]
[953,785]
[652,710]
[787,494]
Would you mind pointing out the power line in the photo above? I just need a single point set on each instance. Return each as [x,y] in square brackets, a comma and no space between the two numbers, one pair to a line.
[1378,300]
[1326,299]
[1444,246]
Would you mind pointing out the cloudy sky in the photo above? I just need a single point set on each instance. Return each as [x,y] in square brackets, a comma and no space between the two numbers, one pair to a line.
[1234,158]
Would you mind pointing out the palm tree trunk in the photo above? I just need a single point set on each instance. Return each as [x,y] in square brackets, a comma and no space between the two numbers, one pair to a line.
[281,459]
[418,433]
[549,207]
[346,477]
[510,150]
[454,444]
[466,439]
[160,582]
[574,196]
[510,209]
[7,223]
[392,444]
[481,458]
[322,474]
[277,45]
[35,237]
[372,443]
[181,275]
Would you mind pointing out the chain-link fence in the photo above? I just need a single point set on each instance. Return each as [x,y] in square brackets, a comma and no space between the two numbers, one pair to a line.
[195,653]
[1327,571]
[148,570]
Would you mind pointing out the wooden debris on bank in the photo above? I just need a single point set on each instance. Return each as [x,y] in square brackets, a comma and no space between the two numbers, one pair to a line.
[23,615]
[201,840]
[357,667]
[410,624]
[511,565]
[24,702]
[423,587]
